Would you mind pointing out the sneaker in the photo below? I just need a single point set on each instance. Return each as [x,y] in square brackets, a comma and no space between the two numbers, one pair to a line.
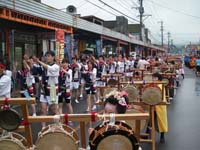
[94,107]
[98,101]
[81,96]
[168,103]
[76,101]
[87,109]
[140,148]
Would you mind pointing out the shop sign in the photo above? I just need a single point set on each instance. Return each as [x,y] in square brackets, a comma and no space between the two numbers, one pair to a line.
[60,44]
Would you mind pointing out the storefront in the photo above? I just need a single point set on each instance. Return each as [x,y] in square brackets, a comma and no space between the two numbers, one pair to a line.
[2,44]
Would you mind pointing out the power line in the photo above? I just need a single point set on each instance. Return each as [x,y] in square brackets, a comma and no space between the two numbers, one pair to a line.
[151,34]
[101,8]
[132,1]
[174,10]
[104,9]
[123,5]
[81,4]
[118,11]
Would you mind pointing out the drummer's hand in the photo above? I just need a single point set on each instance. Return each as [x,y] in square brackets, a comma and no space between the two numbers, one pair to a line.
[90,130]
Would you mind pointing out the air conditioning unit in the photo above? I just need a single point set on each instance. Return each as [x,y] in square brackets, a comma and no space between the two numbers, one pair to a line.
[71,9]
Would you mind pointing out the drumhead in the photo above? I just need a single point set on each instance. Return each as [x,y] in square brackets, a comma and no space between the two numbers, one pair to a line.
[9,120]
[52,138]
[166,80]
[106,137]
[131,123]
[13,142]
[133,93]
[152,95]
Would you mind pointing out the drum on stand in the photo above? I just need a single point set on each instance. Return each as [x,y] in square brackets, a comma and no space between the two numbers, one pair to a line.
[133,93]
[152,94]
[166,80]
[112,137]
[9,119]
[132,123]
[57,137]
[13,141]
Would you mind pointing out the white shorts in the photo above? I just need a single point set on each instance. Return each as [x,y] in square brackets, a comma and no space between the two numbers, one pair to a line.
[129,74]
[74,85]
[82,81]
[46,99]
[100,83]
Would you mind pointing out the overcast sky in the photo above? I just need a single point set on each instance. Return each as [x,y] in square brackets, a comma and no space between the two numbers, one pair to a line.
[181,17]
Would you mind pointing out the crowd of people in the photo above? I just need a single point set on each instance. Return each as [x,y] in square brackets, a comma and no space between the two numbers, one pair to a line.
[193,62]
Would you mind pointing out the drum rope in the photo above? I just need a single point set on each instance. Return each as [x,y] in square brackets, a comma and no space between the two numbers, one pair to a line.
[8,136]
[93,116]
[66,121]
[6,105]
[112,119]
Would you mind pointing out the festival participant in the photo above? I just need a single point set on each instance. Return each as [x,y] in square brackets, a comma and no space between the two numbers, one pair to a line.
[129,65]
[112,65]
[182,71]
[75,77]
[49,93]
[30,82]
[197,63]
[65,81]
[90,77]
[142,62]
[115,102]
[161,113]
[120,65]
[101,70]
[5,83]
[36,71]
[84,67]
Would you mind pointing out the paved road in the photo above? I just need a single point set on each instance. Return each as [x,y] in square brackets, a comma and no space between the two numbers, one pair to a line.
[183,117]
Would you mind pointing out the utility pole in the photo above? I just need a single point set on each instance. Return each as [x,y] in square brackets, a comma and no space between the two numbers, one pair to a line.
[161,29]
[168,34]
[141,11]
[172,44]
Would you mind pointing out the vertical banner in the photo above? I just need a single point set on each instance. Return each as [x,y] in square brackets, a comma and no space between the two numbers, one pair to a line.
[68,47]
[98,48]
[60,44]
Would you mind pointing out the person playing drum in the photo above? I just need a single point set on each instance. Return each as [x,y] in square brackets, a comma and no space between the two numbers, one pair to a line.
[161,113]
[115,102]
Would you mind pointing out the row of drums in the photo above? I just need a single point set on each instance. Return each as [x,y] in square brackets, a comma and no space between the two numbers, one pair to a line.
[106,136]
